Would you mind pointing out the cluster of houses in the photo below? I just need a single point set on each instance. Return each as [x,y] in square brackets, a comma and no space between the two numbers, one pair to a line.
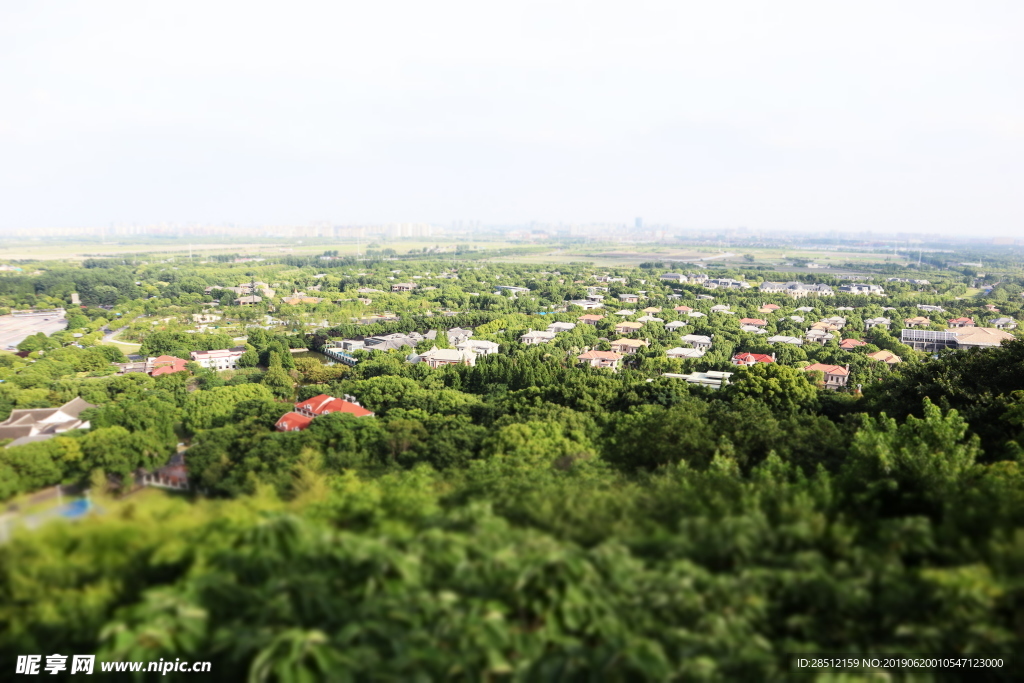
[39,424]
[464,352]
[218,359]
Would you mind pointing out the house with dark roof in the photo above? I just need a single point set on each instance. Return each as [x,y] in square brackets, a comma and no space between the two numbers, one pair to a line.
[39,424]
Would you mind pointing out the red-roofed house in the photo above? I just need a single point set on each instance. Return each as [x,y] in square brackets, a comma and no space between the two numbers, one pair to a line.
[601,359]
[682,309]
[961,322]
[836,376]
[756,322]
[851,344]
[749,359]
[165,365]
[769,308]
[324,405]
[293,422]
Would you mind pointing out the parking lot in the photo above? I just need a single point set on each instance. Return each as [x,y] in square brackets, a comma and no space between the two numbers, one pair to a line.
[14,330]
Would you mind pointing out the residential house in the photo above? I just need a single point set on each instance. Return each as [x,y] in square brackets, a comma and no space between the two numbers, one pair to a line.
[601,359]
[649,319]
[749,359]
[712,379]
[917,321]
[684,352]
[435,357]
[624,311]
[219,359]
[393,342]
[457,335]
[755,322]
[885,356]
[682,309]
[591,319]
[627,327]
[480,347]
[819,336]
[651,310]
[783,339]
[627,346]
[1004,324]
[850,344]
[26,425]
[836,376]
[561,327]
[403,286]
[752,329]
[797,318]
[805,309]
[769,308]
[629,298]
[721,308]
[931,308]
[164,365]
[877,322]
[961,322]
[675,325]
[697,341]
[250,300]
[310,409]
[673,277]
[537,337]
[697,314]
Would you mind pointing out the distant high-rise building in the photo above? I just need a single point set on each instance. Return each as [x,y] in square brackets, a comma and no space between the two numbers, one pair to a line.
[639,223]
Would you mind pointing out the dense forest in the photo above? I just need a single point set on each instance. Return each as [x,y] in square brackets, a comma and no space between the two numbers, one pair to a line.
[525,518]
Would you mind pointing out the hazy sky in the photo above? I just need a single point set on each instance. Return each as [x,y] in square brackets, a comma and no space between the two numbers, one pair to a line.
[855,115]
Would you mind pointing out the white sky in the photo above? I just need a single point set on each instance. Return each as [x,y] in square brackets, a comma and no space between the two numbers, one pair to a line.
[794,114]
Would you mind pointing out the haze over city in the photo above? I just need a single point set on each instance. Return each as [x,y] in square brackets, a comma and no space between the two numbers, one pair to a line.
[800,116]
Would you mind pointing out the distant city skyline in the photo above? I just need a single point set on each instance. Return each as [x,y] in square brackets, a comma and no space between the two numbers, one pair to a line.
[804,117]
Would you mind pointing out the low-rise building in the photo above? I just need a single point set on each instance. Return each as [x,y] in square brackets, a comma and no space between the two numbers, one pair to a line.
[561,327]
[591,319]
[675,325]
[1004,324]
[673,277]
[797,290]
[586,304]
[26,425]
[862,289]
[697,341]
[628,327]
[783,339]
[850,344]
[165,365]
[537,337]
[885,356]
[884,323]
[819,336]
[629,298]
[601,359]
[917,321]
[435,357]
[480,347]
[684,352]
[748,359]
[310,409]
[836,376]
[403,286]
[712,379]
[961,322]
[627,346]
[754,322]
[219,359]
